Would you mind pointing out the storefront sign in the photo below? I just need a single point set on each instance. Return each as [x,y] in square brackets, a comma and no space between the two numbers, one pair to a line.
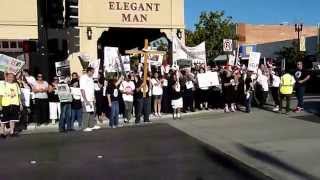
[132,11]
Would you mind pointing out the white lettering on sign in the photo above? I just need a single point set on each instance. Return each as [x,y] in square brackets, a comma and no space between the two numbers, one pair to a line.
[135,7]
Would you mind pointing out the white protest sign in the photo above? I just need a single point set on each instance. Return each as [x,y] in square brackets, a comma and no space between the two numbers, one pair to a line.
[111,59]
[208,79]
[232,60]
[196,54]
[10,64]
[254,60]
[153,59]
[95,65]
[126,63]
[227,45]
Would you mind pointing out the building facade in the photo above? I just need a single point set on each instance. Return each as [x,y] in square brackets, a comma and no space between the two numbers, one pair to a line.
[121,23]
[18,27]
[269,39]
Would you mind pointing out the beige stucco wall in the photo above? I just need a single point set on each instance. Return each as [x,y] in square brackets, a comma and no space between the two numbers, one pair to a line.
[167,15]
[109,13]
[18,19]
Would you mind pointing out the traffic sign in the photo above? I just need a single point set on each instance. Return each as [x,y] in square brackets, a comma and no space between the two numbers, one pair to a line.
[227,45]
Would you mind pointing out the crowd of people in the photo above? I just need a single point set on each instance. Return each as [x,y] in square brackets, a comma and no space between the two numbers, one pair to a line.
[26,99]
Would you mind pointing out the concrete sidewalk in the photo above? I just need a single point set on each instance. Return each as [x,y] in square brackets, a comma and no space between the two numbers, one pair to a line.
[280,146]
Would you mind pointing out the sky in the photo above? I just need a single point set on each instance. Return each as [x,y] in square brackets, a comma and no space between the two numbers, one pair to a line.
[257,11]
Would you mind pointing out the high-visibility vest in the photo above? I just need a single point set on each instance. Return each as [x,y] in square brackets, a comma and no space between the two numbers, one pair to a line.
[287,83]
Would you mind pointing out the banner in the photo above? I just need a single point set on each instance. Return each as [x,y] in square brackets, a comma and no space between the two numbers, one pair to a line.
[111,59]
[254,60]
[208,79]
[10,64]
[62,70]
[196,54]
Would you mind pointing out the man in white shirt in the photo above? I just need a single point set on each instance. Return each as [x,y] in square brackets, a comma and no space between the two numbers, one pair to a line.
[88,100]
[127,88]
[263,80]
[275,84]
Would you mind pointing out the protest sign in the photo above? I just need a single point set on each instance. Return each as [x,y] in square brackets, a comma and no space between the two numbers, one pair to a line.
[126,63]
[154,59]
[232,60]
[254,60]
[111,59]
[208,79]
[64,93]
[10,64]
[196,54]
[62,70]
[95,65]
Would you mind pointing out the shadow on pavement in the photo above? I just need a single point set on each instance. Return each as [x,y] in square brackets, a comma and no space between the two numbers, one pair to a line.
[271,160]
[232,164]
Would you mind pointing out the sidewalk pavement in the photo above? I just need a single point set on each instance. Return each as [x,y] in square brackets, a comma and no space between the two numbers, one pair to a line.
[279,146]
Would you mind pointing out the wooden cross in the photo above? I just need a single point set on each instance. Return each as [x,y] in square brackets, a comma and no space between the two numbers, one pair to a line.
[145,52]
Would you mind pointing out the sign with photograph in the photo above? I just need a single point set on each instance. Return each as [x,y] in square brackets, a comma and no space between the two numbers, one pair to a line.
[208,79]
[10,64]
[111,59]
[62,69]
[126,63]
[64,93]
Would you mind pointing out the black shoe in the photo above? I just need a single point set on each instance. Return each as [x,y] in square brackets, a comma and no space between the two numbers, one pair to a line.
[3,136]
[14,135]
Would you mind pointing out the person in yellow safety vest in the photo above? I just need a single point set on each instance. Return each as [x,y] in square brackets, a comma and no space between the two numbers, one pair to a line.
[286,90]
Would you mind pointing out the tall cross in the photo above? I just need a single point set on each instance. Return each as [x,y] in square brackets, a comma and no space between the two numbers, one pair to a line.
[145,52]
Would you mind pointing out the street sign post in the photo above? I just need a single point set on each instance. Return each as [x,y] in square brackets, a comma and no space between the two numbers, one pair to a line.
[227,45]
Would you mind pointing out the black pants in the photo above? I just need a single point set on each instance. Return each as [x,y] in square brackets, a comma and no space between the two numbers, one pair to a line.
[188,100]
[287,98]
[41,108]
[264,96]
[142,107]
[275,95]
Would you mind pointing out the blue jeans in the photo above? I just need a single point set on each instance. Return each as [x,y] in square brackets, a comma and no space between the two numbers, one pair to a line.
[65,117]
[300,93]
[76,115]
[248,103]
[114,115]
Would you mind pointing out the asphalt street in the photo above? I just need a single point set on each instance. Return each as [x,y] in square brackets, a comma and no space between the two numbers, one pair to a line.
[151,152]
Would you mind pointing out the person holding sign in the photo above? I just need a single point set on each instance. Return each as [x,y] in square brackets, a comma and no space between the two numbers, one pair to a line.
[142,104]
[228,89]
[88,99]
[11,104]
[177,101]
[113,99]
[157,92]
[127,88]
[204,93]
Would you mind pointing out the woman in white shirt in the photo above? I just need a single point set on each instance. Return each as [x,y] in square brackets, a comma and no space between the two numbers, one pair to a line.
[263,81]
[40,90]
[157,92]
[275,84]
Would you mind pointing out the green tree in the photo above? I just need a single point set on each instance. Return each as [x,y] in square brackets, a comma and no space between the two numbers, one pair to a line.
[212,28]
[290,54]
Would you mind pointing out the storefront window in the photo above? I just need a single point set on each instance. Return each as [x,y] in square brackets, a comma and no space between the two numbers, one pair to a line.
[5,44]
[13,44]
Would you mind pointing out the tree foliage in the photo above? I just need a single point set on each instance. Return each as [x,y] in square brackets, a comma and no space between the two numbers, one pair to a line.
[212,28]
[291,54]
